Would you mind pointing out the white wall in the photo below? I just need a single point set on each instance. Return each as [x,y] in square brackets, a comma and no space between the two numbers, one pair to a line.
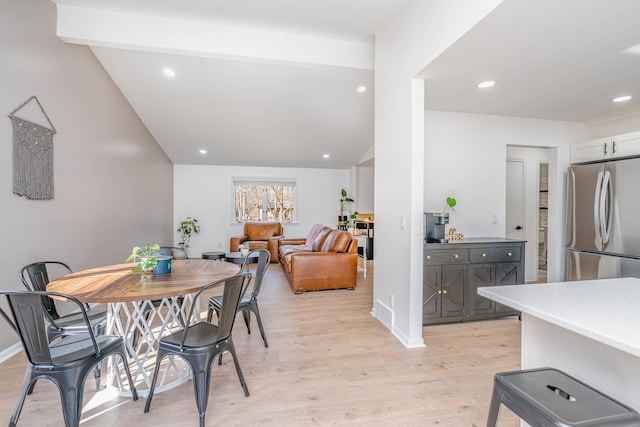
[614,126]
[205,192]
[365,189]
[103,163]
[403,48]
[465,157]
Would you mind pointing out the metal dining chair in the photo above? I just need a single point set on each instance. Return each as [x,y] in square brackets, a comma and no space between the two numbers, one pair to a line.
[35,277]
[199,344]
[249,302]
[67,361]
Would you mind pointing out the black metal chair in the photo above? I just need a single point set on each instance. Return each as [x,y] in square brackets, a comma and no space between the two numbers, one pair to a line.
[200,343]
[35,277]
[67,360]
[249,302]
[545,397]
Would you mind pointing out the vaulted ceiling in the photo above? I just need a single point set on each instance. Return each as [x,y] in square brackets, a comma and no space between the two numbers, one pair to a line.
[273,82]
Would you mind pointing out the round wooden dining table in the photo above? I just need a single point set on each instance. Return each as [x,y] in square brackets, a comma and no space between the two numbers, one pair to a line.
[147,308]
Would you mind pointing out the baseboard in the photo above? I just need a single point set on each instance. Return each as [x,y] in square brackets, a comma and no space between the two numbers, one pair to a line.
[10,352]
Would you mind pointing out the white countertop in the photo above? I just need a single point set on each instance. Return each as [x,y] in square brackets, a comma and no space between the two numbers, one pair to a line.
[606,310]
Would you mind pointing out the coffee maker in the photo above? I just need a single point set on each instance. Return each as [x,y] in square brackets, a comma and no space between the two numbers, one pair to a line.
[435,222]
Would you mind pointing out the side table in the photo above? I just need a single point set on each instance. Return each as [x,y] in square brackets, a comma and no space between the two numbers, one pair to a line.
[213,255]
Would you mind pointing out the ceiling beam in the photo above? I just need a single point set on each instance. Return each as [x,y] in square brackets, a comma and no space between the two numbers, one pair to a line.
[108,28]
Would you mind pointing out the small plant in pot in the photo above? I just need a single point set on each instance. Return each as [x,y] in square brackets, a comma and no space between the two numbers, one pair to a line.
[186,228]
[146,258]
[345,207]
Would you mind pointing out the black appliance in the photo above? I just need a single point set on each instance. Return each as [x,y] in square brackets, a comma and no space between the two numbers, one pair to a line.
[365,228]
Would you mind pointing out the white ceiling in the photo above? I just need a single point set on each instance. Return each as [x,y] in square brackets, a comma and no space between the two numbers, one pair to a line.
[552,59]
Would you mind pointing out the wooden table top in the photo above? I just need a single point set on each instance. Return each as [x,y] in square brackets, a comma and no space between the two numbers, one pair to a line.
[117,283]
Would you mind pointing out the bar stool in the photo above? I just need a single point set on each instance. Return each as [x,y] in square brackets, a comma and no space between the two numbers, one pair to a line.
[546,397]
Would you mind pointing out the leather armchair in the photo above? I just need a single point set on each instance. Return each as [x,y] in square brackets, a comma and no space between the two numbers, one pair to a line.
[259,235]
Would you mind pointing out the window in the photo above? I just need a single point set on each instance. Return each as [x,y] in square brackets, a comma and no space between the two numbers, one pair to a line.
[270,200]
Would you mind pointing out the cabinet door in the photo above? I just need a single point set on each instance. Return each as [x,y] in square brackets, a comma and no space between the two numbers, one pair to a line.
[431,292]
[452,296]
[590,151]
[508,273]
[480,275]
[626,145]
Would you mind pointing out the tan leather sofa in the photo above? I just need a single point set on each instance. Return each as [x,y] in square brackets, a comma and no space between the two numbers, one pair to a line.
[329,262]
[259,235]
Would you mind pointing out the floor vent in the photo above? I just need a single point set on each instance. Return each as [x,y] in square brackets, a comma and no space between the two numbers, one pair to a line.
[384,314]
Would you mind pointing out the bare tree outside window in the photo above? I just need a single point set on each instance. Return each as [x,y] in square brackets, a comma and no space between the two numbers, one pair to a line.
[257,202]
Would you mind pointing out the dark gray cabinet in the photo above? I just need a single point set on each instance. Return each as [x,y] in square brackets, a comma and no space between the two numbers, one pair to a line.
[454,271]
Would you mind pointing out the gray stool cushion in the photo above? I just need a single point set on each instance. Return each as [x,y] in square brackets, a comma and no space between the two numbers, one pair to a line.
[548,397]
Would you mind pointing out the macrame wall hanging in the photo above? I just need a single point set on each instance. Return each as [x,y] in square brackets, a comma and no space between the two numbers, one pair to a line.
[32,156]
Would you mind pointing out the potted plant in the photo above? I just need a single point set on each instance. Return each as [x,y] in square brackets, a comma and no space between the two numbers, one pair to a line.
[345,207]
[146,258]
[186,228]
[451,203]
[351,223]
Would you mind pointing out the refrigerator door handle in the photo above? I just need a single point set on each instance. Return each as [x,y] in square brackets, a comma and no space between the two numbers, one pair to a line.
[605,208]
[596,211]
[570,236]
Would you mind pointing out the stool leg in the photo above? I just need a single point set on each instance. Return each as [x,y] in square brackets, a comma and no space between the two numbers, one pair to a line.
[494,408]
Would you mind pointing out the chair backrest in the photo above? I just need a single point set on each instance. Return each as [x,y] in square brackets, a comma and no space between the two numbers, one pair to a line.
[264,258]
[234,289]
[38,279]
[29,322]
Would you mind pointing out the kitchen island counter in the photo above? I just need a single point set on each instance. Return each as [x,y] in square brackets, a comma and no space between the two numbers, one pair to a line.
[589,329]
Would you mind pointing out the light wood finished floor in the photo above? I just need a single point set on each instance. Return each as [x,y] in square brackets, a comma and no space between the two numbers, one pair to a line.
[329,362]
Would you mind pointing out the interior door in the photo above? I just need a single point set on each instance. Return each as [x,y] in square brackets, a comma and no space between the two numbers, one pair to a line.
[515,208]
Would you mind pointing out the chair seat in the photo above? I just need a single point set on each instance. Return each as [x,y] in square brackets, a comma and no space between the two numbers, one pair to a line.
[79,347]
[200,335]
[547,396]
[75,321]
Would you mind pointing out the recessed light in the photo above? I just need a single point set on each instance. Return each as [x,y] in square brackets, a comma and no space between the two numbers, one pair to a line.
[361,89]
[169,72]
[326,156]
[621,98]
[203,151]
[486,84]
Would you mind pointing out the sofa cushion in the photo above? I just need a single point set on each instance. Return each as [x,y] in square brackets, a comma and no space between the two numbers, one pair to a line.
[319,240]
[313,234]
[262,230]
[336,241]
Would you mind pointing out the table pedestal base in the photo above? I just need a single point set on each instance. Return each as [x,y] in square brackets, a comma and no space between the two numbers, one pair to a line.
[152,320]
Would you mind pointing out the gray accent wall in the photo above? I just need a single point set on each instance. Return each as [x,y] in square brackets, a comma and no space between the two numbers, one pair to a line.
[113,183]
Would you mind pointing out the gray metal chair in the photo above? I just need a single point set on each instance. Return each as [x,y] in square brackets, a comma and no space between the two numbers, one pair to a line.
[249,302]
[67,361]
[199,344]
[547,397]
[35,277]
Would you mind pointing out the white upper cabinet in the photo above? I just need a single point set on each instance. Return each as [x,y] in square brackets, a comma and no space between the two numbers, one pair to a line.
[611,147]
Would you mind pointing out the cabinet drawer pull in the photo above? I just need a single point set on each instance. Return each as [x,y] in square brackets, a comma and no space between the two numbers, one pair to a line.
[439,292]
[444,291]
[484,255]
[428,256]
[509,253]
[456,256]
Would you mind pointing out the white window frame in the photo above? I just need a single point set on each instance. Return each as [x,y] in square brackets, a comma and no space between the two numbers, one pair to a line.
[263,181]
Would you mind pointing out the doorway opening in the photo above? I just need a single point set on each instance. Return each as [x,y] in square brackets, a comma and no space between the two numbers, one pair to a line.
[543,219]
[527,205]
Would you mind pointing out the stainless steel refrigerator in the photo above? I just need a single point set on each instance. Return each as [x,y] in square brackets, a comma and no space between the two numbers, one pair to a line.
[603,220]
